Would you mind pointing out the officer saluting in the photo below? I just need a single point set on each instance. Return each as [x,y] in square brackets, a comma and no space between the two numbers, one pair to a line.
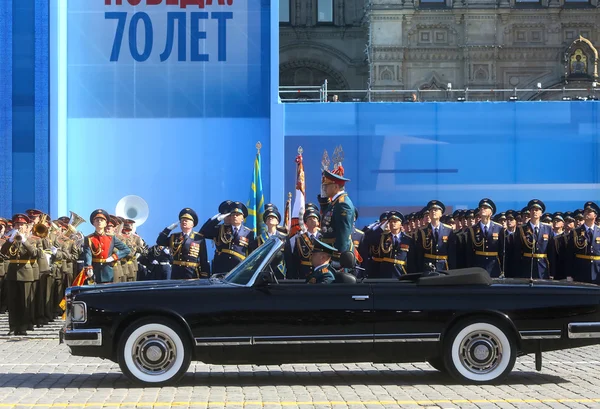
[101,250]
[188,248]
[485,241]
[337,209]
[392,251]
[232,239]
[584,248]
[533,245]
[436,242]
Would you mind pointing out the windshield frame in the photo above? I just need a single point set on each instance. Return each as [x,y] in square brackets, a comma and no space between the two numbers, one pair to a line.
[263,251]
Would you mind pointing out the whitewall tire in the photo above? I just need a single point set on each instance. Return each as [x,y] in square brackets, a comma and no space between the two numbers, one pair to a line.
[479,351]
[154,351]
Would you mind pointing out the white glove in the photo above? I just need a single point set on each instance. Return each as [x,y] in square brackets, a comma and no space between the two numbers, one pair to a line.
[166,250]
[221,217]
[110,259]
[24,239]
[323,193]
[90,273]
[53,250]
[171,227]
[569,278]
[155,262]
[13,235]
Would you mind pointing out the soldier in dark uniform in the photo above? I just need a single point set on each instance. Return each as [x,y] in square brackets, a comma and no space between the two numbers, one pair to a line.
[271,218]
[322,272]
[560,246]
[485,241]
[500,218]
[533,248]
[578,216]
[569,222]
[188,248]
[299,247]
[436,243]
[511,227]
[392,252]
[525,215]
[546,218]
[461,259]
[337,211]
[100,251]
[232,241]
[584,248]
[158,261]
[19,275]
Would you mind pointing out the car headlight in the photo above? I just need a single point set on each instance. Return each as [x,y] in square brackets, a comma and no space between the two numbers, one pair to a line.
[78,312]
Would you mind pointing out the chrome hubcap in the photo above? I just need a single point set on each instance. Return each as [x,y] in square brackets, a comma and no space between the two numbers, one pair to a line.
[154,353]
[480,352]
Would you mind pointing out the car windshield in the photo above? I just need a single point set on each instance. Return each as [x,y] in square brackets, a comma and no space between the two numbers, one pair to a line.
[245,270]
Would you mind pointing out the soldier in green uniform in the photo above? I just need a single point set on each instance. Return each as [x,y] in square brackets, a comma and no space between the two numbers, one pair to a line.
[337,209]
[321,256]
[19,275]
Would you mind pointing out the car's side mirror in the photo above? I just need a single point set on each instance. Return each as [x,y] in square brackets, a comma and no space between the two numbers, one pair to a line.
[264,278]
[347,260]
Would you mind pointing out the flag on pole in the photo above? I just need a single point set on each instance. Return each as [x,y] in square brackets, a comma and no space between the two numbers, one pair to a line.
[287,219]
[299,200]
[256,203]
[80,280]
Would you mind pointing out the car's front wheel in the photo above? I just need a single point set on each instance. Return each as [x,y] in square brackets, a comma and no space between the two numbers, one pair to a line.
[479,351]
[154,351]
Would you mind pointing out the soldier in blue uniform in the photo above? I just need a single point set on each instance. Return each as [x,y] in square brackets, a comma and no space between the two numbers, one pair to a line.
[188,248]
[271,218]
[584,248]
[485,241]
[322,272]
[299,247]
[337,211]
[158,261]
[533,245]
[232,241]
[436,242]
[392,252]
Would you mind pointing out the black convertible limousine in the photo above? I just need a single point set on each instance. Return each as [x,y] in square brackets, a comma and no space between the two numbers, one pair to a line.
[461,322]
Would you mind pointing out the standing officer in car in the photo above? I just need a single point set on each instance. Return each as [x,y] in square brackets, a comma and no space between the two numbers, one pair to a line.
[232,241]
[485,241]
[533,245]
[584,248]
[436,242]
[188,248]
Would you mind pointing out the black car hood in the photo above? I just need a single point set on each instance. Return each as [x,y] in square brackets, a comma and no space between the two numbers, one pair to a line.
[145,285]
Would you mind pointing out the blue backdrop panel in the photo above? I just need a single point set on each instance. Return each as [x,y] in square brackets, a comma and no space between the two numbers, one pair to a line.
[403,155]
[177,131]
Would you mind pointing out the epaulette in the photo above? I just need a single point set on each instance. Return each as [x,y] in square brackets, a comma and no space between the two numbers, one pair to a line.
[546,224]
[359,231]
[447,225]
[497,224]
[246,228]
[342,198]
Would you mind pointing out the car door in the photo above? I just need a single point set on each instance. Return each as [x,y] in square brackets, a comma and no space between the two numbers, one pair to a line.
[321,320]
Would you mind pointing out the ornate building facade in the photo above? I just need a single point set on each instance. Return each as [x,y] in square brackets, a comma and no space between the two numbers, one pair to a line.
[395,45]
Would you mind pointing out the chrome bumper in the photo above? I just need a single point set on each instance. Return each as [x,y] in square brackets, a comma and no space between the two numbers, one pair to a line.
[584,330]
[81,337]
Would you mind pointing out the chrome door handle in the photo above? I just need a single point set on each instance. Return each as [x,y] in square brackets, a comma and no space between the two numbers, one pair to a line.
[360,297]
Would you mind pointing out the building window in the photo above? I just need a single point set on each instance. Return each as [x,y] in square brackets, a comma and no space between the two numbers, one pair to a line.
[324,11]
[577,2]
[527,2]
[284,11]
[432,3]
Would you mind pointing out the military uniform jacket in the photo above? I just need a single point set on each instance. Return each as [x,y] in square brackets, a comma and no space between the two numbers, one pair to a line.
[562,259]
[338,222]
[42,260]
[484,251]
[298,250]
[389,259]
[584,255]
[190,257]
[2,259]
[461,248]
[278,265]
[97,248]
[321,275]
[230,249]
[67,253]
[527,247]
[21,255]
[441,253]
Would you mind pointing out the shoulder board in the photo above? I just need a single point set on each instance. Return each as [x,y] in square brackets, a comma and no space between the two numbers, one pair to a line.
[359,231]
[545,224]
[497,224]
[447,225]
[245,228]
[342,198]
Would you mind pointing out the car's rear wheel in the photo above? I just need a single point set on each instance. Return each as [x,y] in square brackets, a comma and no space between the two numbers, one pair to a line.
[479,351]
[154,351]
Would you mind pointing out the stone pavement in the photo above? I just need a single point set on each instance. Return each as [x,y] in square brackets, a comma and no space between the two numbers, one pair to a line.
[40,373]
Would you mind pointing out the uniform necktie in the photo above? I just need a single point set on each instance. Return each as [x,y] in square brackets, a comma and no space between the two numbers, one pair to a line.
[537,232]
[485,231]
[235,231]
[435,235]
[396,240]
[590,237]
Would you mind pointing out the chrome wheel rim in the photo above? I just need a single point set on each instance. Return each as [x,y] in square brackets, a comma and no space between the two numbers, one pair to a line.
[154,353]
[480,352]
